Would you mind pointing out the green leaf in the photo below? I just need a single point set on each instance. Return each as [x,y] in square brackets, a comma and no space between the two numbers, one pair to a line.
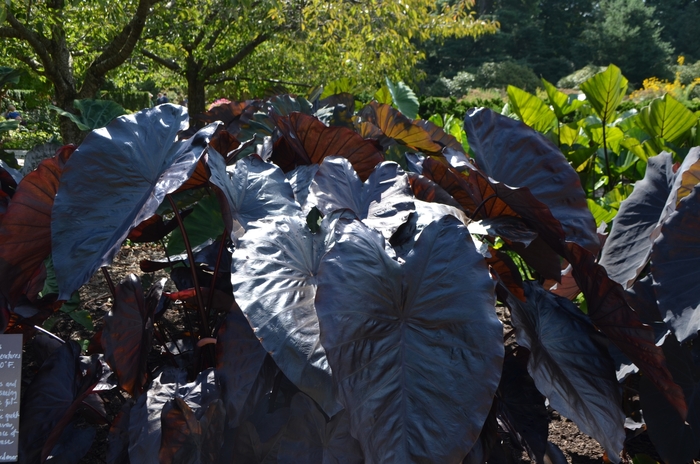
[93,113]
[531,110]
[667,118]
[568,134]
[205,222]
[83,318]
[562,103]
[605,91]
[10,124]
[404,98]
[7,75]
[601,214]
[344,85]
[383,95]
[613,136]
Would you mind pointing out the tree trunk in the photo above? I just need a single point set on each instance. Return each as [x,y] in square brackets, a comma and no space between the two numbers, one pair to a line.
[70,133]
[196,95]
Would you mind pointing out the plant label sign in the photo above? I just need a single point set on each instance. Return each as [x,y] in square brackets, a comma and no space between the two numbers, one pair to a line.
[10,382]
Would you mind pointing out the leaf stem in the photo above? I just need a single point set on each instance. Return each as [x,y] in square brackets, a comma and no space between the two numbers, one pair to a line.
[110,284]
[210,298]
[607,162]
[481,205]
[190,256]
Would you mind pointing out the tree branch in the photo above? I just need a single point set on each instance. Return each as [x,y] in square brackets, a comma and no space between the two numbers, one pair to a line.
[170,64]
[237,58]
[9,33]
[242,78]
[39,44]
[119,49]
[32,63]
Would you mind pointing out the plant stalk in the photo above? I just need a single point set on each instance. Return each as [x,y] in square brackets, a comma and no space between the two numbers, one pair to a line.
[197,289]
[110,284]
[607,162]
[210,298]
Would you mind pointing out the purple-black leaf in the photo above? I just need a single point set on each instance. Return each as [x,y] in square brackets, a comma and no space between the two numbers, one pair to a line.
[114,181]
[413,347]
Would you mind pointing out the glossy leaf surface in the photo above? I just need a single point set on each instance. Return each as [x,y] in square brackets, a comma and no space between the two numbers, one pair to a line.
[628,247]
[383,202]
[576,374]
[127,335]
[239,359]
[274,274]
[674,267]
[408,343]
[513,154]
[117,179]
[676,440]
[404,98]
[310,438]
[189,439]
[252,190]
[25,231]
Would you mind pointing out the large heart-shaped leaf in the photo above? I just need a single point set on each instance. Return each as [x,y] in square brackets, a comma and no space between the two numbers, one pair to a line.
[127,335]
[413,347]
[674,267]
[203,224]
[531,110]
[252,189]
[309,141]
[115,180]
[239,359]
[25,231]
[383,202]
[628,247]
[274,276]
[576,374]
[93,113]
[310,438]
[676,440]
[513,154]
[605,91]
[667,118]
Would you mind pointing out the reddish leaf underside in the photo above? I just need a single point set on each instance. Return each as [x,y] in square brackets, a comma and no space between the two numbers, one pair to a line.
[610,312]
[397,126]
[307,140]
[25,232]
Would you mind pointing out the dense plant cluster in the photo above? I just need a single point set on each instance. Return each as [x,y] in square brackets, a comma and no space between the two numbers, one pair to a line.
[340,270]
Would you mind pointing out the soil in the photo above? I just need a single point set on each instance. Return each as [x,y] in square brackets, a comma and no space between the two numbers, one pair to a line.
[577,447]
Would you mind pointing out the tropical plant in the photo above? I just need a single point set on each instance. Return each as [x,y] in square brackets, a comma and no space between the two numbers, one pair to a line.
[342,306]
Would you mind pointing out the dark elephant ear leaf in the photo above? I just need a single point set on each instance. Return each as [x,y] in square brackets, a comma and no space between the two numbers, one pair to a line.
[25,231]
[453,182]
[674,267]
[311,439]
[186,439]
[383,201]
[627,249]
[507,271]
[438,134]
[226,113]
[676,440]
[311,142]
[576,374]
[274,276]
[127,335]
[612,315]
[427,190]
[521,406]
[396,355]
[337,110]
[239,359]
[117,178]
[155,228]
[398,127]
[514,154]
[50,401]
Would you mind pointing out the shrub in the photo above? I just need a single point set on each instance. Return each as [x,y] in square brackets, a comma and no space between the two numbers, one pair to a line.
[503,74]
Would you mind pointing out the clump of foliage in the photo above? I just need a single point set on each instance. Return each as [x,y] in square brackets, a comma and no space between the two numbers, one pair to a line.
[341,305]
